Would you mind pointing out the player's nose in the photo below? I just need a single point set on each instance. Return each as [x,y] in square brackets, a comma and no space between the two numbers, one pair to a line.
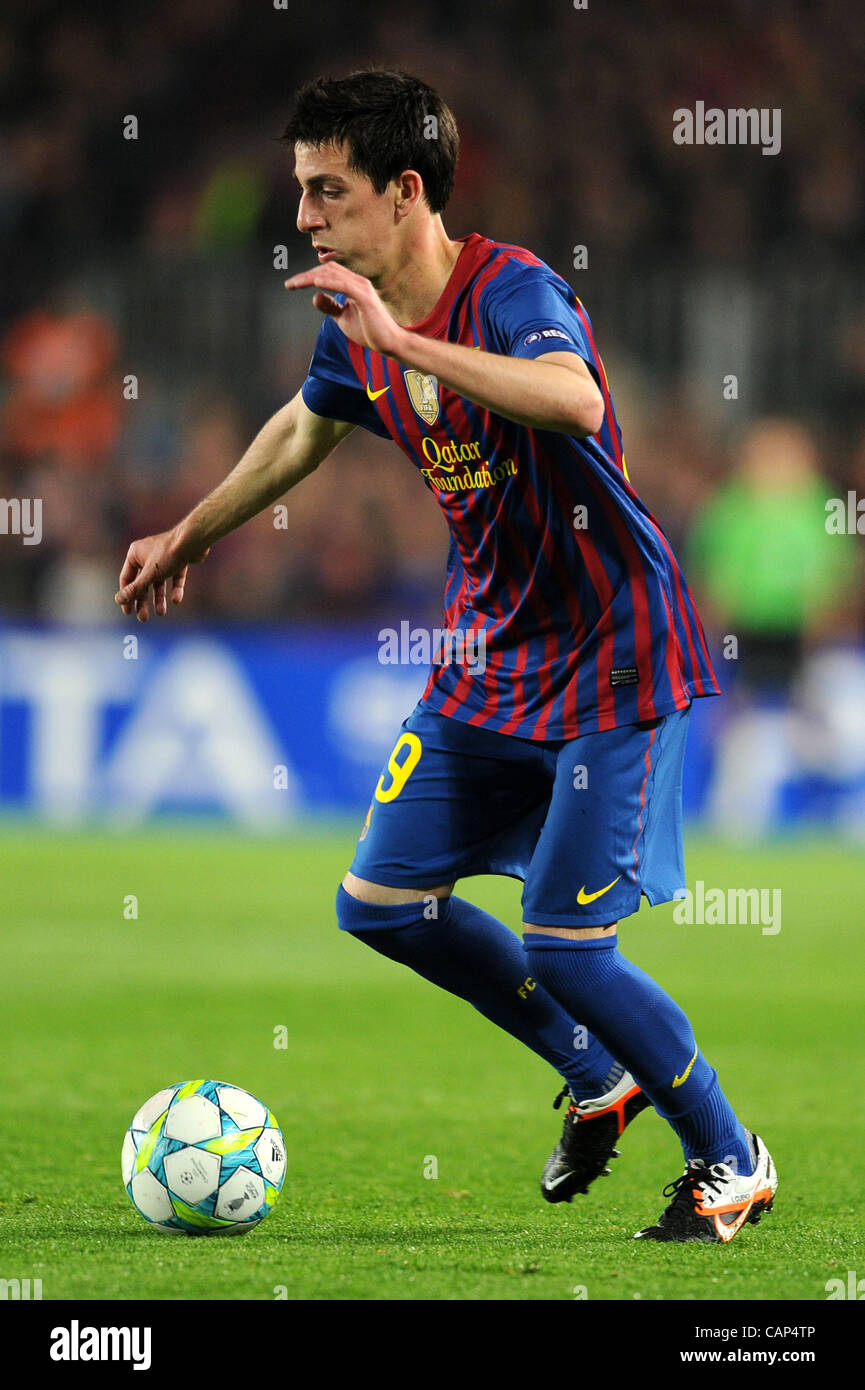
[307,219]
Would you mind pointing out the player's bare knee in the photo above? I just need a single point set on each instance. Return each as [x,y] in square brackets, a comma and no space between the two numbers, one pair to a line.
[578,933]
[383,895]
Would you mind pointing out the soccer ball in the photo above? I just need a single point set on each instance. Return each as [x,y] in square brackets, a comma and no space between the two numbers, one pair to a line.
[204,1158]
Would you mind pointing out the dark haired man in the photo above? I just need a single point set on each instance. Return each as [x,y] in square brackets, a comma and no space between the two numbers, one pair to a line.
[557,759]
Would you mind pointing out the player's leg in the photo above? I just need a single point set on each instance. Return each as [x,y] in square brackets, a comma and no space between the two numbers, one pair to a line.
[442,801]
[459,947]
[593,1126]
[573,901]
[626,819]
[729,1176]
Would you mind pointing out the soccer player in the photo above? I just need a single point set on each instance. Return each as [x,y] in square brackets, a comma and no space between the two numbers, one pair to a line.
[549,740]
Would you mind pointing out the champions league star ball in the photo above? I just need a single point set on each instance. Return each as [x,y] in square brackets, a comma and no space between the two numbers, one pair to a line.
[204,1158]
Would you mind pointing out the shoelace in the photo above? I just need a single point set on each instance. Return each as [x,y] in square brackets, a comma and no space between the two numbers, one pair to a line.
[689,1179]
[679,1215]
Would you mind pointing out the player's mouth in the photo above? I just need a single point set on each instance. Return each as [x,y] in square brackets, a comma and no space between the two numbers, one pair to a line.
[324,253]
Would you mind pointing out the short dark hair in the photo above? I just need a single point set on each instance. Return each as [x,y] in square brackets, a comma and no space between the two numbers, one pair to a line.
[381,115]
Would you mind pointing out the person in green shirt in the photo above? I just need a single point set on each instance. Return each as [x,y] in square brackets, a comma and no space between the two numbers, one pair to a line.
[769,573]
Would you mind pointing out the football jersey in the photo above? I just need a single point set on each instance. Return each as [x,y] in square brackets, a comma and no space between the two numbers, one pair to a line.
[558,576]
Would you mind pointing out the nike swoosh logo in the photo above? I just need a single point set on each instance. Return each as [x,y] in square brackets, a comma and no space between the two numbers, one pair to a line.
[550,1185]
[680,1080]
[584,897]
[374,395]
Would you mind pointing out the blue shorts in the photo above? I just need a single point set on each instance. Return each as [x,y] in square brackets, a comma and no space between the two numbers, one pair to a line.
[589,824]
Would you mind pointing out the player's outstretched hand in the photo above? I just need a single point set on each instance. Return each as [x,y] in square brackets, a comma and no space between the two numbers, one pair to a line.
[155,562]
[363,317]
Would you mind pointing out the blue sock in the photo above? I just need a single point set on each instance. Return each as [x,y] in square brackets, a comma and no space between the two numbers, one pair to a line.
[646,1029]
[471,954]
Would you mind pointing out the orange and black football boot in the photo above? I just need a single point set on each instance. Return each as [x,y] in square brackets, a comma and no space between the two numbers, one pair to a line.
[712,1203]
[591,1131]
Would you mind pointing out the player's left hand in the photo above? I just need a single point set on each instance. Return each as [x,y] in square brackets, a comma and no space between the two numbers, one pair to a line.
[363,317]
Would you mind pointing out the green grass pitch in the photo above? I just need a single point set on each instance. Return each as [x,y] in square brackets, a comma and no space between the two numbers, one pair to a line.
[382,1073]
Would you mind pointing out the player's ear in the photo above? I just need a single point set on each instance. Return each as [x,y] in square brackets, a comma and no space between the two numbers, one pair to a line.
[409,190]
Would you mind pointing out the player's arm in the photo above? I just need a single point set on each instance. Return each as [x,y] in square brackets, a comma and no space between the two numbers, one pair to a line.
[289,447]
[553,392]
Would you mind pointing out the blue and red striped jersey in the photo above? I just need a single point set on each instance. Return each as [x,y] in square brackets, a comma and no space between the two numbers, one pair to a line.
[586,619]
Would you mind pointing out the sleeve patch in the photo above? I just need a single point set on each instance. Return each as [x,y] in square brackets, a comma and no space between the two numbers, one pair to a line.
[539,334]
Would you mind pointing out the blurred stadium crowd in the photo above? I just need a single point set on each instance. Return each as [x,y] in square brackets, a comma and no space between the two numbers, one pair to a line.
[95,226]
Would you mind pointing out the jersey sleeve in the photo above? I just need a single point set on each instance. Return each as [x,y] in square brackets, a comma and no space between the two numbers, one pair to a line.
[331,387]
[534,312]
